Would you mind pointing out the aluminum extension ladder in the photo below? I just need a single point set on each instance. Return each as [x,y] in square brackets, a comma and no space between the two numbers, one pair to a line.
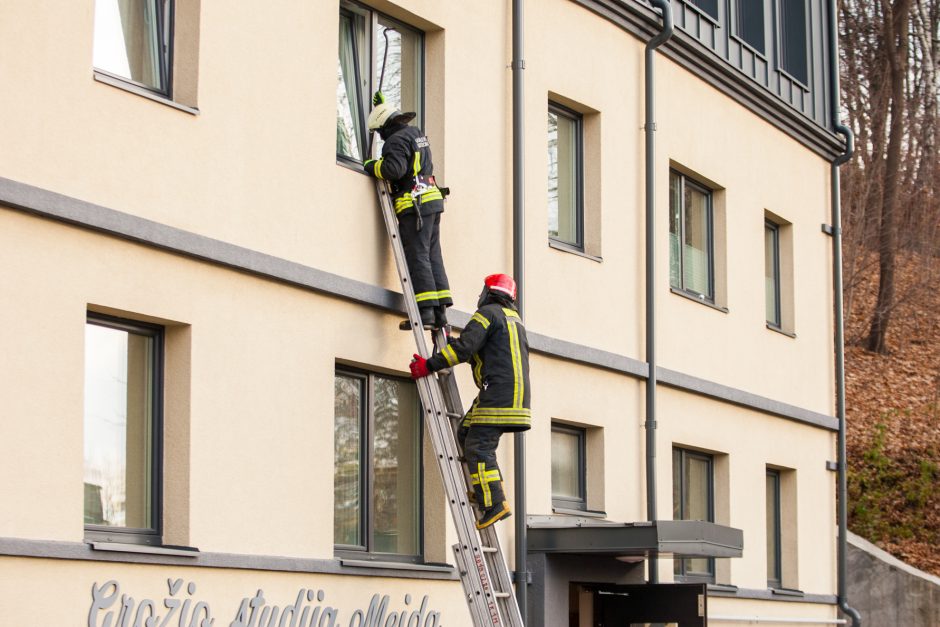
[483,571]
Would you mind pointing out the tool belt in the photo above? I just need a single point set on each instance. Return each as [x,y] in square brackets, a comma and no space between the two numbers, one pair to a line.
[424,190]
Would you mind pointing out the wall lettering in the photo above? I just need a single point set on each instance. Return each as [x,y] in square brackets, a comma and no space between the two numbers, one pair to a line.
[111,607]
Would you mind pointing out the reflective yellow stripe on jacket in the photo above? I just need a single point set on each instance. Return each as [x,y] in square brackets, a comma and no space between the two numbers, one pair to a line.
[406,202]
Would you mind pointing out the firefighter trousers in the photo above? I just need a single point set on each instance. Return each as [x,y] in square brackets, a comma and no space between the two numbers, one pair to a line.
[479,449]
[425,262]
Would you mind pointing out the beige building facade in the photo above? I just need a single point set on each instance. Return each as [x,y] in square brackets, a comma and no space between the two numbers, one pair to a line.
[207,417]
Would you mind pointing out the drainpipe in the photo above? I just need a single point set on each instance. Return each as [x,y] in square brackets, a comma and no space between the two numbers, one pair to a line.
[650,127]
[836,204]
[518,272]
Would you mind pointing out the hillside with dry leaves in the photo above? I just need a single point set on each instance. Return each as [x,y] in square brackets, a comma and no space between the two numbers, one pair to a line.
[893,416]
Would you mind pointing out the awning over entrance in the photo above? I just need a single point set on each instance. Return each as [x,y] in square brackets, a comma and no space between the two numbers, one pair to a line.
[679,538]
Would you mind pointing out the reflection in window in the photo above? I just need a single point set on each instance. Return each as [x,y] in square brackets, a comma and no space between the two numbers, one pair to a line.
[121,425]
[709,6]
[365,39]
[565,198]
[693,499]
[793,48]
[377,453]
[749,23]
[690,237]
[568,467]
[772,272]
[131,40]
[773,529]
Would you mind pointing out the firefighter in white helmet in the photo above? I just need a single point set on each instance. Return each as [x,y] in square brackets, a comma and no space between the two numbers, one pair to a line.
[406,164]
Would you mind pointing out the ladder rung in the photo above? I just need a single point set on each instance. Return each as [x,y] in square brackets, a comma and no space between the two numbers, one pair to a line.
[501,595]
[488,549]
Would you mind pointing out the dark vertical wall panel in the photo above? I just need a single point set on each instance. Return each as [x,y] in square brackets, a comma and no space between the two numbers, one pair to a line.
[718,36]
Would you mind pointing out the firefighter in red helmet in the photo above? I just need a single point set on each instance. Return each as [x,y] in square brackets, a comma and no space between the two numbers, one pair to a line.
[494,341]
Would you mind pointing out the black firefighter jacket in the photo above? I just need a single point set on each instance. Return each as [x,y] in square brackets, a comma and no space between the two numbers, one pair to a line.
[494,342]
[406,160]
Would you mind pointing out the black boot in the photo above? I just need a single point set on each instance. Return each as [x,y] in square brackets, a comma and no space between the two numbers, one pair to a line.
[427,319]
[497,512]
[440,317]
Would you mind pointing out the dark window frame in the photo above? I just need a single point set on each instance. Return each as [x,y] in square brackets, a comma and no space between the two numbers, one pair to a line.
[776,581]
[777,323]
[682,572]
[579,503]
[166,27]
[371,16]
[367,474]
[710,211]
[578,119]
[780,34]
[738,26]
[131,535]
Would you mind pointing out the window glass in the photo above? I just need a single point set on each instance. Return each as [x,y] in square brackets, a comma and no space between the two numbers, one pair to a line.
[350,117]
[119,428]
[690,236]
[347,477]
[693,499]
[397,464]
[696,244]
[129,40]
[566,465]
[378,454]
[793,39]
[750,23]
[564,176]
[709,6]
[772,273]
[773,528]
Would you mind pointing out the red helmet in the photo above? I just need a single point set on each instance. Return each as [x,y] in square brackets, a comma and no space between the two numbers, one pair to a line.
[502,283]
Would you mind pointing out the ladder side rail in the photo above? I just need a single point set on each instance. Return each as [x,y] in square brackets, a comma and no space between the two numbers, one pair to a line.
[488,536]
[411,305]
[478,568]
[478,578]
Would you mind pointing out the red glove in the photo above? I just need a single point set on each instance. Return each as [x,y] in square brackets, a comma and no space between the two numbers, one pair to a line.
[419,367]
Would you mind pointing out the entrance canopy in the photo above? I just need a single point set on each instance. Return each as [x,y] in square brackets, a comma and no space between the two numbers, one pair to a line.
[672,538]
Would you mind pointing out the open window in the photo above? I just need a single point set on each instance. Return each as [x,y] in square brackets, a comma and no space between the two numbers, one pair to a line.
[366,39]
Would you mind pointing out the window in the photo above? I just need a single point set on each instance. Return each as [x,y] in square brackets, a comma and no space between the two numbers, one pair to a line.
[377,507]
[123,430]
[568,467]
[693,498]
[793,40]
[774,577]
[709,7]
[691,249]
[749,23]
[132,41]
[565,176]
[772,273]
[363,35]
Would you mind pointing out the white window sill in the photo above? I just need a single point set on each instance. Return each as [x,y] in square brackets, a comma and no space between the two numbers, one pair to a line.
[780,331]
[114,81]
[123,547]
[574,250]
[586,513]
[430,568]
[697,299]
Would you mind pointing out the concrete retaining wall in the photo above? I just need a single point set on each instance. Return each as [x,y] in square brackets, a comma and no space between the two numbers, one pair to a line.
[889,592]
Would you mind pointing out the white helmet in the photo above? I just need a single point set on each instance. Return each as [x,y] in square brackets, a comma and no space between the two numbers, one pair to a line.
[383,113]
